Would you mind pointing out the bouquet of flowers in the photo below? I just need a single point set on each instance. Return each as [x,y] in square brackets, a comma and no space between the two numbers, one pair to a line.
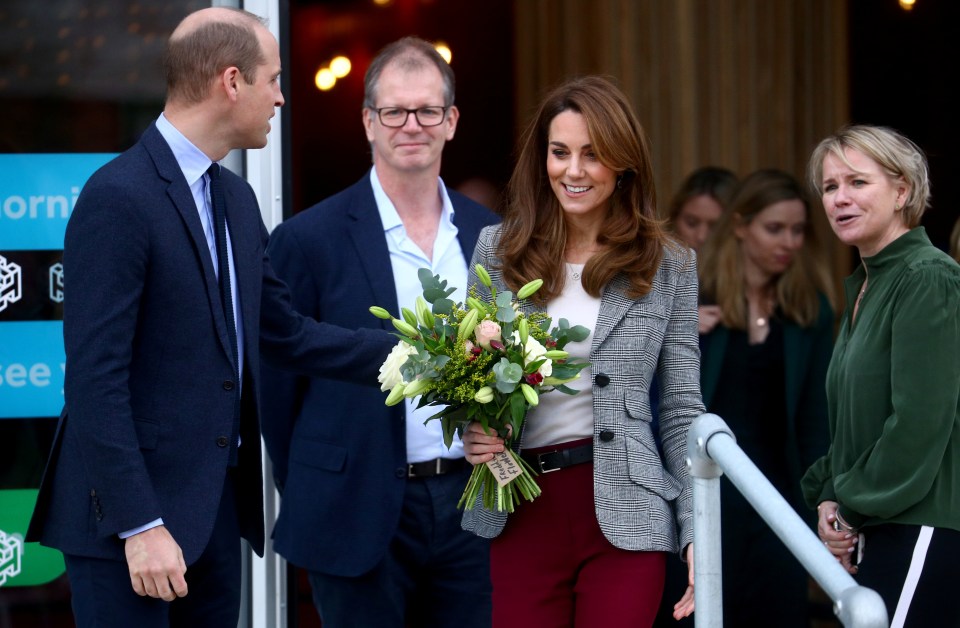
[484,361]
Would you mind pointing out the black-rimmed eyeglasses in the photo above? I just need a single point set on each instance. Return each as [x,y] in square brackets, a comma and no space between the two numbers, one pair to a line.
[396,117]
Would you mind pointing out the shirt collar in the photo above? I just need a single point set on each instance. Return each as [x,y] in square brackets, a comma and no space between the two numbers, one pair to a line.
[193,162]
[388,212]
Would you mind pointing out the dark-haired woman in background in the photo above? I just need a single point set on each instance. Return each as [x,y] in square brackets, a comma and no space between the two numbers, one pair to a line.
[697,206]
[695,210]
[581,215]
[763,371]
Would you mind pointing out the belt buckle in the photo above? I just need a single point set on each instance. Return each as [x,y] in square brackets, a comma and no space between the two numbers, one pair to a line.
[439,470]
[540,462]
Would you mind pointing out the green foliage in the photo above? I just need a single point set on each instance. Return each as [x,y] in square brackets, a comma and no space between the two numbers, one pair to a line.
[447,371]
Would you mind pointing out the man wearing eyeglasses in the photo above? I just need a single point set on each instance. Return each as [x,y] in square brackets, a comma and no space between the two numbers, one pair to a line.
[369,492]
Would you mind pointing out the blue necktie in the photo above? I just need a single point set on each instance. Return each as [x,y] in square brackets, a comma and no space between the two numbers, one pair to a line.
[223,259]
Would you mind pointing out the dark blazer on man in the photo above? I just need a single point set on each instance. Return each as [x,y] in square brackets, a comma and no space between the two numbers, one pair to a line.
[150,388]
[338,452]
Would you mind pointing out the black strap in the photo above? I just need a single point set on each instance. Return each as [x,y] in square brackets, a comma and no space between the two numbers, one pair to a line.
[438,466]
[559,459]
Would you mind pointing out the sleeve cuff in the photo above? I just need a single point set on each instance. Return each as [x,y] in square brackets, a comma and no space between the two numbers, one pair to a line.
[153,524]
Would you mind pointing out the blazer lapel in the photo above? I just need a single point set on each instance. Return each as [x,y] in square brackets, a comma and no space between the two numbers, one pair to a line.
[365,227]
[796,355]
[244,225]
[614,304]
[713,347]
[182,199]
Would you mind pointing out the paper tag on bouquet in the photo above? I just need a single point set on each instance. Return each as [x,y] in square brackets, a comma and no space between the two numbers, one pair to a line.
[504,467]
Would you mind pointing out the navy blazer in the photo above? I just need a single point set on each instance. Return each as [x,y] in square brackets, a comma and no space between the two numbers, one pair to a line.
[338,452]
[150,387]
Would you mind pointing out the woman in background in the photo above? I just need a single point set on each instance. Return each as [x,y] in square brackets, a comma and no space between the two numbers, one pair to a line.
[890,483]
[763,370]
[694,212]
[699,203]
[581,215]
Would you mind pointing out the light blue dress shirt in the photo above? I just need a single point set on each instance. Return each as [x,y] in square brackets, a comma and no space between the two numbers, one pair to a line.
[424,442]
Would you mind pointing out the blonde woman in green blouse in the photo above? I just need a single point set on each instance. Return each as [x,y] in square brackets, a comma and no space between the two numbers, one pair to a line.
[888,489]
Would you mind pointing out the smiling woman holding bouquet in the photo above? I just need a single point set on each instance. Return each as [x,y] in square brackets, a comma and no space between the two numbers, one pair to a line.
[591,549]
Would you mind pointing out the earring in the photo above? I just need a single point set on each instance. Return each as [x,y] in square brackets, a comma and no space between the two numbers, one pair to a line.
[619,181]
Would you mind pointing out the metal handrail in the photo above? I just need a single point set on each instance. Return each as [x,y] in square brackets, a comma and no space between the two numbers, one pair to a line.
[712,451]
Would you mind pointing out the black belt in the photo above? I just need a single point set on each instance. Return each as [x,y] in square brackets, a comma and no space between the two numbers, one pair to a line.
[559,459]
[438,466]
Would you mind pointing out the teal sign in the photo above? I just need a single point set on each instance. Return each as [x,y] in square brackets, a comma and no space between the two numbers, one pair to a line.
[32,364]
[37,195]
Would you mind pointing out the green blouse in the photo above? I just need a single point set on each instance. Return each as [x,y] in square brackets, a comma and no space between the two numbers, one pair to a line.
[893,393]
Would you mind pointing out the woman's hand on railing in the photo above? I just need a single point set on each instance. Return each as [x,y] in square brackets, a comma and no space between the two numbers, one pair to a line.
[840,539]
[684,608]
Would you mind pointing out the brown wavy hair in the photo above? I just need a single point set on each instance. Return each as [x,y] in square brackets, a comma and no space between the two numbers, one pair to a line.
[721,270]
[534,231]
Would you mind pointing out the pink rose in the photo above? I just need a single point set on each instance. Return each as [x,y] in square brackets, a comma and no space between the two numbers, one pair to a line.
[486,332]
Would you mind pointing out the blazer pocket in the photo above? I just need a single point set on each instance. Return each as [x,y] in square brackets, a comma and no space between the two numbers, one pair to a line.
[647,470]
[637,403]
[647,317]
[148,433]
[318,455]
[645,324]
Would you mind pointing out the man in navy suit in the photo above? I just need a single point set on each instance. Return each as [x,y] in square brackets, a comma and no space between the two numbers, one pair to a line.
[155,470]
[370,492]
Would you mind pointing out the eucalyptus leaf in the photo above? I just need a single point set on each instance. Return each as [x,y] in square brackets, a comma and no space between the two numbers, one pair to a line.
[442,305]
[506,314]
[508,375]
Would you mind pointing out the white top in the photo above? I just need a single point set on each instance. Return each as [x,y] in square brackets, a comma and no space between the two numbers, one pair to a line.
[561,418]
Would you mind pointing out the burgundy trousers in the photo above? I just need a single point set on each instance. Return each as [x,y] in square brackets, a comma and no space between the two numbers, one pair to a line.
[552,567]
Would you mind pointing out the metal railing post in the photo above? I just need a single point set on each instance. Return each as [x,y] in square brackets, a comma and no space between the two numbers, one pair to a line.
[707,560]
[712,448]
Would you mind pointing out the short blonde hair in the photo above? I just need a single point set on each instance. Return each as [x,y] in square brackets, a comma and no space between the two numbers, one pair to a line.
[896,155]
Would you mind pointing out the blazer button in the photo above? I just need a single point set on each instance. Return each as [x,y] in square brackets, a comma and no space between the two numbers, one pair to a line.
[93,493]
[228,385]
[223,441]
[601,380]
[401,472]
[606,436]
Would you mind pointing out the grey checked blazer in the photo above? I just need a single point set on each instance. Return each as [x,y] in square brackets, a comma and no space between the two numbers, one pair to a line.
[640,504]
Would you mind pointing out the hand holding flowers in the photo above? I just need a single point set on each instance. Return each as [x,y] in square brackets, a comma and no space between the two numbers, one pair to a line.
[485,361]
